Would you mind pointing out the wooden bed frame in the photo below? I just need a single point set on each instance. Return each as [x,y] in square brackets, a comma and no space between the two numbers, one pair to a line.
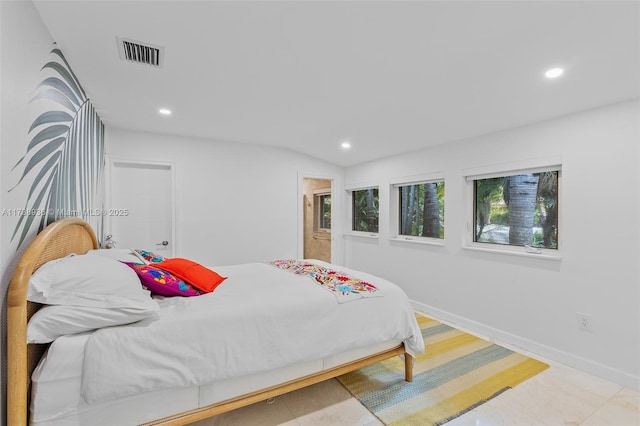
[73,235]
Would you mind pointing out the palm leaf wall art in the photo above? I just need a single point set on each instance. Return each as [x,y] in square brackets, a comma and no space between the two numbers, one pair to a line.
[65,154]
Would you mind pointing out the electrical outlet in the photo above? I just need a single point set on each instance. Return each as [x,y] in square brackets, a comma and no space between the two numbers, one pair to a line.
[584,322]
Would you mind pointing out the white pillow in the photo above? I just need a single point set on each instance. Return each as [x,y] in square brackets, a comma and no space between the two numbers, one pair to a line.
[91,281]
[123,255]
[51,322]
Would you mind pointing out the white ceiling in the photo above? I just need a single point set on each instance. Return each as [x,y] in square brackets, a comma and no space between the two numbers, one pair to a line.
[389,76]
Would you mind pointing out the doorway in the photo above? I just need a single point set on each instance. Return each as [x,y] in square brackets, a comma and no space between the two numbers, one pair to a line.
[140,206]
[316,209]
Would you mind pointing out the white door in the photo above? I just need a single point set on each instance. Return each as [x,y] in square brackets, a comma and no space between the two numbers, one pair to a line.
[140,206]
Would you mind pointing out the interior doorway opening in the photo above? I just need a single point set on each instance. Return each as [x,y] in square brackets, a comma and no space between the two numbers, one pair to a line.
[317,218]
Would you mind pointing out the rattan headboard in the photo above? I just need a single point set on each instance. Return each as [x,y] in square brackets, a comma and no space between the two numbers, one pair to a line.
[59,239]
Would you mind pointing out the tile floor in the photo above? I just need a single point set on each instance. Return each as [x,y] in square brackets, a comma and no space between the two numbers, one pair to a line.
[558,396]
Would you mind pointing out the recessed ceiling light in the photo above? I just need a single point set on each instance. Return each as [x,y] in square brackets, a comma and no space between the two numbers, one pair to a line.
[554,73]
[345,145]
[164,111]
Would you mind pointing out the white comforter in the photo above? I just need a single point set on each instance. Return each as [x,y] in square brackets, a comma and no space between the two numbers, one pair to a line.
[259,319]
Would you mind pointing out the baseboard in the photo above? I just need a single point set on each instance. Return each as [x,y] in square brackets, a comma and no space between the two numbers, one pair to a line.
[503,338]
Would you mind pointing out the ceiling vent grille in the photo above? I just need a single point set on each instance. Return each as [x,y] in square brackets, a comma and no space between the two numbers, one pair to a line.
[140,53]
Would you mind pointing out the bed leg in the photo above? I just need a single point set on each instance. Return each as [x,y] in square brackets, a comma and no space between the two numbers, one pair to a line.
[408,367]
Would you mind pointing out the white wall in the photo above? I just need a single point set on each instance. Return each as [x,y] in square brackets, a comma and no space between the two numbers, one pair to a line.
[236,203]
[25,44]
[531,302]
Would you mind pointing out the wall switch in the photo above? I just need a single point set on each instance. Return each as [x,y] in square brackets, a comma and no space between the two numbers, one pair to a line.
[584,322]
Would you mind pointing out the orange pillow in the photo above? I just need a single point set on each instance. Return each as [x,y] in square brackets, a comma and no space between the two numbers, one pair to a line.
[193,273]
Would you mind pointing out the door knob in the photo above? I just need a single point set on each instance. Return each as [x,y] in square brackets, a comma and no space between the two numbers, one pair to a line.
[164,243]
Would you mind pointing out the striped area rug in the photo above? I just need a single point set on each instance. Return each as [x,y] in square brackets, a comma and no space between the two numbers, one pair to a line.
[457,373]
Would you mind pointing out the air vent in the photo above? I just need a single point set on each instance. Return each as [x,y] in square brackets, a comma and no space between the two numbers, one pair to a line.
[140,53]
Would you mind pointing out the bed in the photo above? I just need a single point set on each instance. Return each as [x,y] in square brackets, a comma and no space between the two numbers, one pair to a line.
[57,383]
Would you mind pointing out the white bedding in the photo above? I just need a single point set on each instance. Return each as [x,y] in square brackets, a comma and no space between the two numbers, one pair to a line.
[261,318]
[56,401]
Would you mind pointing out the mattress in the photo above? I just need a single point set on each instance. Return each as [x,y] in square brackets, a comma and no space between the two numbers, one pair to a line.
[56,382]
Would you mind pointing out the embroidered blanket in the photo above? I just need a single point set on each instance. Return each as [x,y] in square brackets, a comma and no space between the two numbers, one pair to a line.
[343,286]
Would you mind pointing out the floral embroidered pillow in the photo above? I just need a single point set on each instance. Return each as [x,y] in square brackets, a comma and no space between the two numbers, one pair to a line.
[162,282]
[149,256]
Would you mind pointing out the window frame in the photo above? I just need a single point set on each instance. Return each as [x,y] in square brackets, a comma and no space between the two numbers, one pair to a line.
[350,193]
[318,202]
[502,170]
[394,203]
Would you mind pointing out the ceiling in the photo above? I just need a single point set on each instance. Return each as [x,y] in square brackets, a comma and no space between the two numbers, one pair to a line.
[391,77]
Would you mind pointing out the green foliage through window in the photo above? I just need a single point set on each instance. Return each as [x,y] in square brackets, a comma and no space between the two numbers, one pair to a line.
[517,210]
[323,214]
[422,209]
[365,210]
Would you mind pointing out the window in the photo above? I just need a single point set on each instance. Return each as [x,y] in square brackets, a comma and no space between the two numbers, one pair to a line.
[517,209]
[421,209]
[322,205]
[365,210]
